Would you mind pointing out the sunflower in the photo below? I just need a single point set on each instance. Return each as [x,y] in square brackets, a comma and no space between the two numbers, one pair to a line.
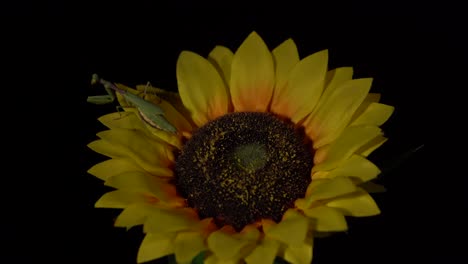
[257,154]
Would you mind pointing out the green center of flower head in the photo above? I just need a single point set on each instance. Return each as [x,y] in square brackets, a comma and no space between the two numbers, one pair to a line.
[251,157]
[243,167]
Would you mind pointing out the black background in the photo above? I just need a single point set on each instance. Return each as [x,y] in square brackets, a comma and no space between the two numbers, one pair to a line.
[416,56]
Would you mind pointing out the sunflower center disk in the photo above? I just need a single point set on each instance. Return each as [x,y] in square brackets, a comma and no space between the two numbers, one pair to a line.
[243,167]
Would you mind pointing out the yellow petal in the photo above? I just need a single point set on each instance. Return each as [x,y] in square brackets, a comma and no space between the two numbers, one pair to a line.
[319,175]
[138,181]
[201,88]
[285,57]
[333,79]
[153,156]
[224,246]
[252,76]
[155,246]
[327,219]
[169,220]
[125,120]
[331,188]
[321,154]
[370,98]
[372,145]
[291,231]
[300,203]
[357,204]
[299,254]
[356,166]
[376,114]
[314,184]
[221,57]
[132,215]
[303,89]
[346,145]
[212,259]
[107,149]
[112,167]
[331,119]
[249,232]
[120,199]
[187,245]
[131,139]
[264,253]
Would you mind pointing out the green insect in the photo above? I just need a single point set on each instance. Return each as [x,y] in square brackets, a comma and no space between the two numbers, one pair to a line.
[149,112]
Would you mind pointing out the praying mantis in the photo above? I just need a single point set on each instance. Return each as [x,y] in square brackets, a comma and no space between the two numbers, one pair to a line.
[152,114]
